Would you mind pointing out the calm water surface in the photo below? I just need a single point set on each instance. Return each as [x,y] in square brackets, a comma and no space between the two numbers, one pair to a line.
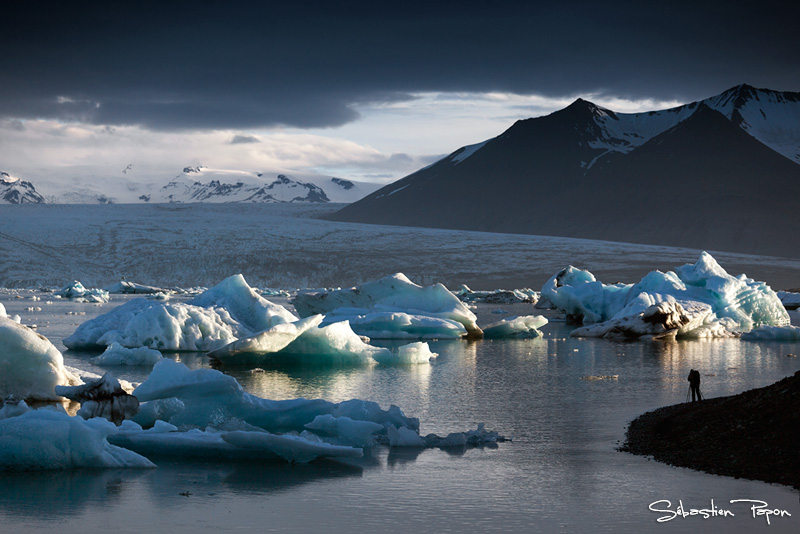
[561,472]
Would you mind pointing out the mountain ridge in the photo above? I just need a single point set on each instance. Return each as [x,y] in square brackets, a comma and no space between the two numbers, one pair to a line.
[588,172]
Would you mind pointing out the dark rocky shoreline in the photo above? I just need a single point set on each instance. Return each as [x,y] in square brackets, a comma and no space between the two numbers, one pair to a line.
[754,435]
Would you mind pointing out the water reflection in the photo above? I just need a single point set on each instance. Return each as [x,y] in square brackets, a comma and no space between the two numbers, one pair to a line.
[52,494]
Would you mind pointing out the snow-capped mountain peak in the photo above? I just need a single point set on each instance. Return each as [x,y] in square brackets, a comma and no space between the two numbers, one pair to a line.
[13,190]
[771,117]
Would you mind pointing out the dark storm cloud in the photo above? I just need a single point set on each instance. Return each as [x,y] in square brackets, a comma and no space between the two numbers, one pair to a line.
[188,65]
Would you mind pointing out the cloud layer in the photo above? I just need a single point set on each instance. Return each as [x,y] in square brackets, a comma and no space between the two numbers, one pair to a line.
[209,65]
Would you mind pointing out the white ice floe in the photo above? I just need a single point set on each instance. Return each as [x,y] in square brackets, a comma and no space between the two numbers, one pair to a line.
[116,354]
[526,326]
[393,294]
[220,315]
[30,366]
[715,302]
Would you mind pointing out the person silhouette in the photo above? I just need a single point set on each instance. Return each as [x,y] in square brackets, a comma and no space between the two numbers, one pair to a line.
[694,384]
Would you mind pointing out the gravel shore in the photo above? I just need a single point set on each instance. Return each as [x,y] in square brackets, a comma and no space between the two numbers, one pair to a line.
[754,435]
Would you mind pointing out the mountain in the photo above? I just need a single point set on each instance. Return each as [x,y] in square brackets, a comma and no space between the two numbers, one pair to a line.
[16,191]
[718,174]
[194,184]
[200,184]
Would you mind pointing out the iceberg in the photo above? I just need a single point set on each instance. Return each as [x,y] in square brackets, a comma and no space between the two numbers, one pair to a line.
[206,395]
[75,290]
[124,287]
[200,414]
[394,294]
[715,302]
[310,342]
[221,420]
[30,366]
[498,296]
[518,327]
[377,324]
[217,317]
[271,340]
[661,321]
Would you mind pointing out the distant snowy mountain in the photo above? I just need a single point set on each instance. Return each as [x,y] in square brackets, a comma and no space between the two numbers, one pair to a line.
[16,191]
[194,184]
[722,173]
[200,184]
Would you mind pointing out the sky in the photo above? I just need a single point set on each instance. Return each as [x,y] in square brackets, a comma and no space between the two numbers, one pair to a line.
[361,90]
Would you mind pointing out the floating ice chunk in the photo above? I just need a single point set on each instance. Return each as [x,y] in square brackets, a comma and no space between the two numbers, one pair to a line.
[479,436]
[409,354]
[75,290]
[773,333]
[345,430]
[217,317]
[244,304]
[393,293]
[789,299]
[404,437]
[581,297]
[334,344]
[526,326]
[746,302]
[376,324]
[103,397]
[158,411]
[116,354]
[498,296]
[271,340]
[293,448]
[235,445]
[658,321]
[30,366]
[209,397]
[130,288]
[48,439]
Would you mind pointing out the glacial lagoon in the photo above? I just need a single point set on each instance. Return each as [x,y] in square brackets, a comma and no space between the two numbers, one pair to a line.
[563,402]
